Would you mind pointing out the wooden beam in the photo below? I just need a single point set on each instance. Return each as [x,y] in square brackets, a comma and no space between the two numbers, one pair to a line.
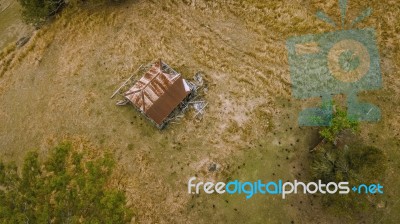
[124,84]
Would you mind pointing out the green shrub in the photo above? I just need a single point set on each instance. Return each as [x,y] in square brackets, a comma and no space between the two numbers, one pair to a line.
[65,188]
[356,164]
[37,11]
[339,123]
[352,163]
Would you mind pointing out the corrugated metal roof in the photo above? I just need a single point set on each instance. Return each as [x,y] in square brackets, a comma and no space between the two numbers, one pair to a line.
[158,92]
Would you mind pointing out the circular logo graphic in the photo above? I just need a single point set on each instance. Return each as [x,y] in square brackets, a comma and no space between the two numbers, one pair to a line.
[348,60]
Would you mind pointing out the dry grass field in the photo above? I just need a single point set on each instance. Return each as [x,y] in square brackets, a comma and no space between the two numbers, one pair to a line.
[58,87]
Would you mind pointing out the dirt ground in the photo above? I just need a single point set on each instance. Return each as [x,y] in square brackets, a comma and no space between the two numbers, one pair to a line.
[58,86]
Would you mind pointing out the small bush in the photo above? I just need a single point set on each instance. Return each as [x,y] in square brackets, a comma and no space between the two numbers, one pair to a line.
[340,122]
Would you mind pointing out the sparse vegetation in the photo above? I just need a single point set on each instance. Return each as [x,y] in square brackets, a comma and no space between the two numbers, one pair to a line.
[66,188]
[37,11]
[356,164]
[340,122]
[344,157]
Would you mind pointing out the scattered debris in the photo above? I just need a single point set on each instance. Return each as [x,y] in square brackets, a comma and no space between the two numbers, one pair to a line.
[381,204]
[126,82]
[199,107]
[213,167]
[198,78]
[22,41]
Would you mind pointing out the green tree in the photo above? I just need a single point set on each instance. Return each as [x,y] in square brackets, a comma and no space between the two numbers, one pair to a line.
[342,156]
[37,11]
[356,164]
[66,188]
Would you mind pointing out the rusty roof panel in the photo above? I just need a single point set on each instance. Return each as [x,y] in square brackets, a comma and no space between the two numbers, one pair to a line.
[167,102]
[158,92]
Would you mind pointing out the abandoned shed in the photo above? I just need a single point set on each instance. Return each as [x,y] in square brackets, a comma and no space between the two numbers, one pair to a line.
[158,92]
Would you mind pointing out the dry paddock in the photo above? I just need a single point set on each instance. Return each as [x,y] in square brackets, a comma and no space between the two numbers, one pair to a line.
[58,85]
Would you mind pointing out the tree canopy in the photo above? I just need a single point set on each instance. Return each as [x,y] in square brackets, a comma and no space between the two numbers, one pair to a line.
[65,188]
[37,11]
[356,164]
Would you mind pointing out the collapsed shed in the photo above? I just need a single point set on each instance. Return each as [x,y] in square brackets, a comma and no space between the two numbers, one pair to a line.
[159,92]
